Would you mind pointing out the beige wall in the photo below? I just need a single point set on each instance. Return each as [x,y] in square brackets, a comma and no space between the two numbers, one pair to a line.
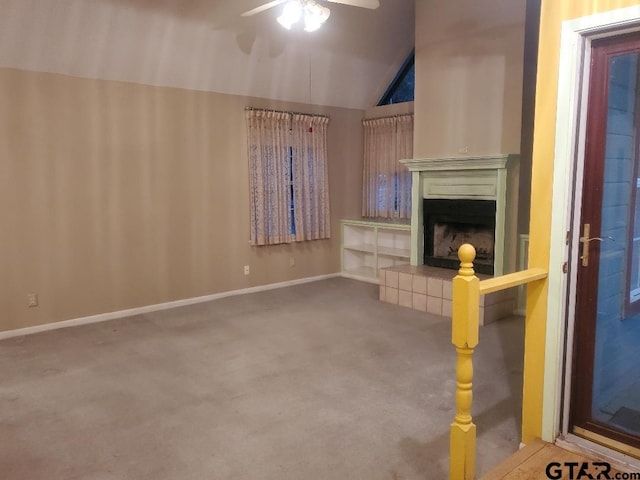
[389,110]
[115,196]
[469,56]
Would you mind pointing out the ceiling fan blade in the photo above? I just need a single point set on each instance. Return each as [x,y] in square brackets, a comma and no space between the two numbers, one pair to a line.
[262,8]
[372,4]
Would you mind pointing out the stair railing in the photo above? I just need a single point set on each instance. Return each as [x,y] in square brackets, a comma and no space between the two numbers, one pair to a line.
[467,289]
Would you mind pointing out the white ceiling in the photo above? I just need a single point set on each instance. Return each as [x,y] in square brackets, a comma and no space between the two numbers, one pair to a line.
[207,45]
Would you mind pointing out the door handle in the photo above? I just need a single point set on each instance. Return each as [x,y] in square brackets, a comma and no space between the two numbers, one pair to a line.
[585,239]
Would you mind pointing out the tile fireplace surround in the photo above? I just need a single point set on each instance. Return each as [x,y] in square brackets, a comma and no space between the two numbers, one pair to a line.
[428,289]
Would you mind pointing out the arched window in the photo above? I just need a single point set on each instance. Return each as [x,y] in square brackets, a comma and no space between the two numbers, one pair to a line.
[402,87]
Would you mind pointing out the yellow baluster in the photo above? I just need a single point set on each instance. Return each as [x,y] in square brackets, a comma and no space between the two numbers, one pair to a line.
[465,325]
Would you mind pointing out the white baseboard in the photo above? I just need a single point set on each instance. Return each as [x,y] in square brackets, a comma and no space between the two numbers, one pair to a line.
[103,317]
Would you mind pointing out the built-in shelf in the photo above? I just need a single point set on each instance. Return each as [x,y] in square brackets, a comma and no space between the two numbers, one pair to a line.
[395,252]
[361,273]
[368,246]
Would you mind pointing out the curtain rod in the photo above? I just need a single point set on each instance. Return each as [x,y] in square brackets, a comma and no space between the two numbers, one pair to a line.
[284,111]
[389,116]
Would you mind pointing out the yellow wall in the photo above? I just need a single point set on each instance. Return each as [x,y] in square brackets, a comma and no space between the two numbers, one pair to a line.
[115,196]
[554,12]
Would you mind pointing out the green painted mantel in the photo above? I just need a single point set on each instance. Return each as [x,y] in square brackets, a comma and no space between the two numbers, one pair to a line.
[493,177]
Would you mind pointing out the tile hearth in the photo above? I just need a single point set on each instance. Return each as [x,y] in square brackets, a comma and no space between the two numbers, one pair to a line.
[429,289]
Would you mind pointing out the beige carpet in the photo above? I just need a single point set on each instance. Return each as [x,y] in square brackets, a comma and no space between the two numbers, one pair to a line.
[317,381]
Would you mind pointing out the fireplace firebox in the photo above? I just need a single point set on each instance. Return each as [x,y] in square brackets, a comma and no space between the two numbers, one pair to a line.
[448,223]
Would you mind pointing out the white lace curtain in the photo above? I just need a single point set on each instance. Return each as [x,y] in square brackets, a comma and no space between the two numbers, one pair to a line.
[386,182]
[288,177]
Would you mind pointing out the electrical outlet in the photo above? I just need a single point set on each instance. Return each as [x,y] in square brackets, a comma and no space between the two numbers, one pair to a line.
[292,262]
[32,299]
[246,269]
[463,149]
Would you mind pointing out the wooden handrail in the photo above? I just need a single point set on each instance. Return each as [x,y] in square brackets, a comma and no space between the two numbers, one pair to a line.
[511,280]
[467,289]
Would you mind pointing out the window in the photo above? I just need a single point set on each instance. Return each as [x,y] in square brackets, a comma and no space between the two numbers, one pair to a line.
[402,87]
[386,182]
[634,261]
[288,177]
[292,200]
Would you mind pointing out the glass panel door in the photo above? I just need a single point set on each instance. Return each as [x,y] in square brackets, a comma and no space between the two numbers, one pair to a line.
[606,380]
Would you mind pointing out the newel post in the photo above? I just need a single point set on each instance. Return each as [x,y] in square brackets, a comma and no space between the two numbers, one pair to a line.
[465,325]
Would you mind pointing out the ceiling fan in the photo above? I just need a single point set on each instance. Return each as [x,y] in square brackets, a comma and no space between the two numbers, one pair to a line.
[314,14]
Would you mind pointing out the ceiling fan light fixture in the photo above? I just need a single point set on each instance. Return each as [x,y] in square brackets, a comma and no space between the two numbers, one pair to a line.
[314,16]
[291,14]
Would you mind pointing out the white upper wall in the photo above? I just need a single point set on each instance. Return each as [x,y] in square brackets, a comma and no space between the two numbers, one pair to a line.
[206,45]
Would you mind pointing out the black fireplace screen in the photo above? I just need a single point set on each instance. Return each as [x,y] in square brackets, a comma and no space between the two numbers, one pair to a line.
[448,223]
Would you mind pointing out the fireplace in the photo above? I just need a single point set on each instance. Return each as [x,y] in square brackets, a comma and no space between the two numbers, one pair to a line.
[448,223]
[475,201]
[457,200]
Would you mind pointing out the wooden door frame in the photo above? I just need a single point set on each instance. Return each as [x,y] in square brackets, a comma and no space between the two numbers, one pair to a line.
[573,83]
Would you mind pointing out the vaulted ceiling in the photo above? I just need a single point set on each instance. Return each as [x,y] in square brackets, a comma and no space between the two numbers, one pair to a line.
[207,45]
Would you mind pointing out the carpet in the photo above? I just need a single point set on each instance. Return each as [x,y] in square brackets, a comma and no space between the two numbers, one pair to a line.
[315,381]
